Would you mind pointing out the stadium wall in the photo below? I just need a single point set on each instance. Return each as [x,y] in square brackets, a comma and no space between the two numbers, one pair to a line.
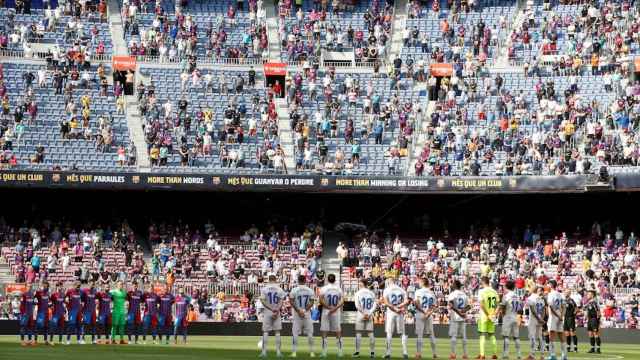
[293,183]
[620,336]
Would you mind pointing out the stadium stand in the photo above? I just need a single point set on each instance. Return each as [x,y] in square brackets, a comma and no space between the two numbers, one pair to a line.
[77,28]
[63,117]
[360,124]
[363,28]
[215,32]
[611,269]
[228,132]
[225,273]
[469,35]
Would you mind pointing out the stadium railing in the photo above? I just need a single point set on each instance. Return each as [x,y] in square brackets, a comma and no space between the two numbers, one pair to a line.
[41,55]
[625,291]
[204,61]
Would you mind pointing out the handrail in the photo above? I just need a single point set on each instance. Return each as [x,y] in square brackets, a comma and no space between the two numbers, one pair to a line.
[41,55]
[204,61]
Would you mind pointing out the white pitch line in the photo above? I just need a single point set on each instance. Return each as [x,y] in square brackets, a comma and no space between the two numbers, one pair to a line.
[609,357]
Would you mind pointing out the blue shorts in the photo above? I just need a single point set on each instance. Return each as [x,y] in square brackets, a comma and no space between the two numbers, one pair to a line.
[56,321]
[89,318]
[150,321]
[179,321]
[74,319]
[42,321]
[104,320]
[131,319]
[26,321]
[164,320]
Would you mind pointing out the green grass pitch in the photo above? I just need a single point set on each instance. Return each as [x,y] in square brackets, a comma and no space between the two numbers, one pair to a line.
[237,347]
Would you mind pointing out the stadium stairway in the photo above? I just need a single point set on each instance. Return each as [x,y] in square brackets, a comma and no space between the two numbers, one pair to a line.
[419,139]
[399,23]
[117,31]
[285,136]
[502,62]
[271,13]
[5,274]
[134,123]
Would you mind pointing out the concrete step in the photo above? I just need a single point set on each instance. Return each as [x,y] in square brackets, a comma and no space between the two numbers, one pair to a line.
[416,147]
[272,29]
[117,31]
[134,123]
[399,24]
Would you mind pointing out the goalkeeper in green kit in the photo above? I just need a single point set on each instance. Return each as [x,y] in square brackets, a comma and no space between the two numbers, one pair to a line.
[119,312]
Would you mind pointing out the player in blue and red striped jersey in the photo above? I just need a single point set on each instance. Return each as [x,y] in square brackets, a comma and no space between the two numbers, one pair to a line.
[59,312]
[165,325]
[42,313]
[150,321]
[27,323]
[104,313]
[134,320]
[181,311]
[88,298]
[74,313]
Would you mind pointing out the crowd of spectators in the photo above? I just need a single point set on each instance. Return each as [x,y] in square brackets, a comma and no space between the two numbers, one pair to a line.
[224,273]
[351,110]
[74,81]
[89,252]
[339,25]
[176,35]
[78,28]
[606,263]
[183,250]
[461,37]
[197,130]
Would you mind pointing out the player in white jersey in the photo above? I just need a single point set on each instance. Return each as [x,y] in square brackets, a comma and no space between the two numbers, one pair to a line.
[556,305]
[537,308]
[458,306]
[331,299]
[425,303]
[365,301]
[510,307]
[272,298]
[396,300]
[302,299]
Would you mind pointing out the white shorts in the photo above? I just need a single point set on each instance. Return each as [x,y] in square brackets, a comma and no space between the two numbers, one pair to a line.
[362,324]
[271,324]
[302,325]
[424,326]
[394,321]
[555,324]
[458,328]
[331,322]
[535,330]
[510,328]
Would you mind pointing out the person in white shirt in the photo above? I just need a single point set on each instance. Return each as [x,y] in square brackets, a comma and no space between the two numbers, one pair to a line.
[395,299]
[365,301]
[510,306]
[556,305]
[272,298]
[425,303]
[404,252]
[537,307]
[331,299]
[459,305]
[42,78]
[302,299]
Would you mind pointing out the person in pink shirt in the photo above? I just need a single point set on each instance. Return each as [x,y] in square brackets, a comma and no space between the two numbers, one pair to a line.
[31,275]
[78,252]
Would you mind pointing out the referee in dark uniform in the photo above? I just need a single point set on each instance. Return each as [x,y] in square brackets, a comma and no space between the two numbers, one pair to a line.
[592,310]
[570,322]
